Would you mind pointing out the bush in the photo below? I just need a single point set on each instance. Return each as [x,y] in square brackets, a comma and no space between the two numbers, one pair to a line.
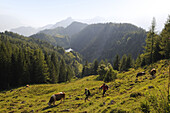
[135,94]
[145,107]
[110,76]
[160,104]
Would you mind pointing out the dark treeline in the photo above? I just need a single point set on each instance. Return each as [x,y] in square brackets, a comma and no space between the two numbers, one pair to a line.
[28,61]
[107,71]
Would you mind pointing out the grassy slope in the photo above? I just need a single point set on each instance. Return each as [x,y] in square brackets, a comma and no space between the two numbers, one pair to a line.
[36,97]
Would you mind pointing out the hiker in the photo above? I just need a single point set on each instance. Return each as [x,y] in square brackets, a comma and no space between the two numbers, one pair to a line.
[105,88]
[87,93]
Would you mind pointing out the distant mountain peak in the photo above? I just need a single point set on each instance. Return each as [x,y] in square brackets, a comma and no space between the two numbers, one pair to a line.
[63,23]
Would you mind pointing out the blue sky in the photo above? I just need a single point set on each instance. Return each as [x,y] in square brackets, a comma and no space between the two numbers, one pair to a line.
[37,13]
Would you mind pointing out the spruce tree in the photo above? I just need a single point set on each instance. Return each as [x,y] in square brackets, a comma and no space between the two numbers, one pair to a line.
[95,66]
[41,74]
[129,62]
[63,71]
[116,63]
[56,69]
[150,43]
[165,40]
[123,63]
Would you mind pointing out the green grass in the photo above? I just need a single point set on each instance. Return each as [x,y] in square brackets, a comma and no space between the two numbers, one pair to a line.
[126,94]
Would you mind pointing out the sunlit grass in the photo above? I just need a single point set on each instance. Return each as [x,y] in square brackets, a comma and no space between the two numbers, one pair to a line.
[125,94]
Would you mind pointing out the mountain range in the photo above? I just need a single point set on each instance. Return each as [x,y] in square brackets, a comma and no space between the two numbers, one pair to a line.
[97,41]
[104,41]
[27,31]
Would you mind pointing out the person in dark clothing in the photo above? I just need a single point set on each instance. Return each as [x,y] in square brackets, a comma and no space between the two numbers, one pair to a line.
[87,93]
[105,88]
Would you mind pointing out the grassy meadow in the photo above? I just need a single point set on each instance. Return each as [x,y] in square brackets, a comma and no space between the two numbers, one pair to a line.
[125,94]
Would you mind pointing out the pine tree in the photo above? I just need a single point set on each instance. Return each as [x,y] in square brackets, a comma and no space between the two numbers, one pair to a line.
[156,51]
[53,74]
[139,61]
[69,74]
[116,63]
[86,69]
[63,71]
[95,66]
[150,43]
[165,40]
[41,74]
[55,68]
[123,63]
[143,63]
[4,63]
[129,62]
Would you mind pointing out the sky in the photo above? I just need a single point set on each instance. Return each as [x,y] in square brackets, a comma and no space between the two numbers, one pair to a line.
[38,13]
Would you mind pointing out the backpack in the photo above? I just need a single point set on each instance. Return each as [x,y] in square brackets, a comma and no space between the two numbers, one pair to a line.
[88,92]
[107,87]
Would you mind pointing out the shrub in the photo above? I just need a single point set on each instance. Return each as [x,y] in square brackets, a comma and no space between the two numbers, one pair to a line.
[144,106]
[135,94]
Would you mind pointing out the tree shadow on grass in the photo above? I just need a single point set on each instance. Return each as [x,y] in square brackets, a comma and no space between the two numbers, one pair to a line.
[48,107]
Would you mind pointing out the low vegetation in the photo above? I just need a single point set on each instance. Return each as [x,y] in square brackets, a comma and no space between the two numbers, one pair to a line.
[126,94]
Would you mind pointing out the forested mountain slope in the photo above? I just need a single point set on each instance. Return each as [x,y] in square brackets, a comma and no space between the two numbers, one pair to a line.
[28,60]
[60,36]
[104,41]
[57,40]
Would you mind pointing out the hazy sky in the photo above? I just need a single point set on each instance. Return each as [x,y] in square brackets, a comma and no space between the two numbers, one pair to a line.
[37,13]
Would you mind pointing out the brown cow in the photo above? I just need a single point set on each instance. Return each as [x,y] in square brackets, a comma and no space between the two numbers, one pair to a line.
[140,74]
[56,97]
[153,71]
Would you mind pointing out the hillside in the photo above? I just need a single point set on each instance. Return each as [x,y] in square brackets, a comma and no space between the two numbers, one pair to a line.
[57,40]
[125,94]
[60,36]
[104,41]
[28,60]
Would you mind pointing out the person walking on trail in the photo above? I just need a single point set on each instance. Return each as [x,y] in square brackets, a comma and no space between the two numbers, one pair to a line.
[105,88]
[87,93]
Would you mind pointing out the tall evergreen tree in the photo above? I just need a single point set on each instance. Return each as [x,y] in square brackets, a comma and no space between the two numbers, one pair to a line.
[139,61]
[150,43]
[40,68]
[69,74]
[95,67]
[116,63]
[165,40]
[156,50]
[123,63]
[55,69]
[129,62]
[63,71]
[53,74]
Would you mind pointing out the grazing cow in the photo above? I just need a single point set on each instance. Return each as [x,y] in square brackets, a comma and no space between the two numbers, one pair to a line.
[153,71]
[140,74]
[56,97]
